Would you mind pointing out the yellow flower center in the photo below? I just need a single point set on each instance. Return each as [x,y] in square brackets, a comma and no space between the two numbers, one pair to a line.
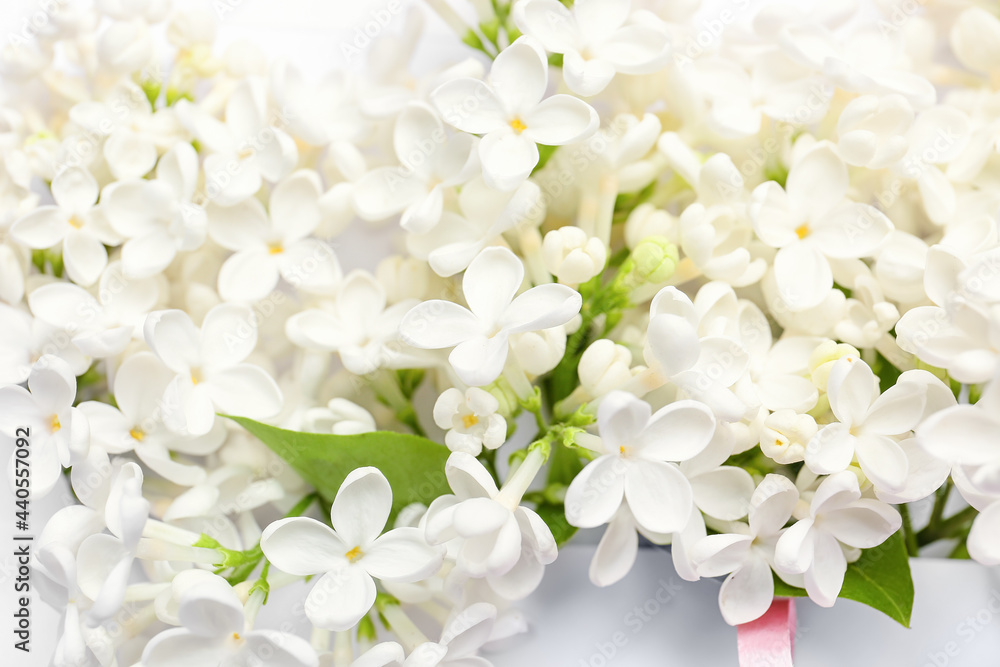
[195,376]
[470,420]
[624,450]
[54,423]
[518,125]
[245,153]
[354,554]
[236,636]
[137,433]
[275,248]
[802,231]
[75,222]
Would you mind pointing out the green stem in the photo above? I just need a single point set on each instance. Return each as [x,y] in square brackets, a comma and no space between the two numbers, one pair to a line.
[953,526]
[940,500]
[909,536]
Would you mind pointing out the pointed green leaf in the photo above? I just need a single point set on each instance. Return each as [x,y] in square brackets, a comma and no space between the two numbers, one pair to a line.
[880,579]
[413,465]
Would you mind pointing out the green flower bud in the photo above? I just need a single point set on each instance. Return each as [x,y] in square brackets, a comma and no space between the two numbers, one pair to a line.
[654,260]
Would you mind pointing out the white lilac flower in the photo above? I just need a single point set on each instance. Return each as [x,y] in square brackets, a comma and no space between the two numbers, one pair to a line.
[137,423]
[704,367]
[812,224]
[213,632]
[208,368]
[747,556]
[484,214]
[866,425]
[72,221]
[494,536]
[58,433]
[100,326]
[352,553]
[597,38]
[356,323]
[637,464]
[511,115]
[23,341]
[838,518]
[340,417]
[431,162]
[573,257]
[480,334]
[470,420]
[156,217]
[244,150]
[273,244]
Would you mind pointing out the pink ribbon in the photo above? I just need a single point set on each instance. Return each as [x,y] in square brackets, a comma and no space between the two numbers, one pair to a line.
[770,640]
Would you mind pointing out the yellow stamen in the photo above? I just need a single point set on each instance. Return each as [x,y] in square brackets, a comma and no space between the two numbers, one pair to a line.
[624,451]
[275,248]
[54,423]
[470,420]
[195,376]
[245,153]
[518,125]
[802,231]
[236,636]
[75,222]
[138,434]
[354,554]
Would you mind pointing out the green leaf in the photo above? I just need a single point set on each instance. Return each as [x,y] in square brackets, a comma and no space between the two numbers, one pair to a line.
[413,465]
[880,579]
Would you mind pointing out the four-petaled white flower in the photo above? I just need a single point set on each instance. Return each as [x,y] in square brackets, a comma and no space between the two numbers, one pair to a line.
[748,556]
[430,162]
[352,553]
[866,425]
[272,244]
[511,115]
[470,420]
[43,415]
[480,334]
[73,221]
[811,224]
[208,367]
[838,519]
[637,464]
[598,38]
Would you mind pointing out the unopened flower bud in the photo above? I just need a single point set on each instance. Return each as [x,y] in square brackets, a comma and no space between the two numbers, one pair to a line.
[785,436]
[538,352]
[823,358]
[403,278]
[654,260]
[573,257]
[604,366]
[646,220]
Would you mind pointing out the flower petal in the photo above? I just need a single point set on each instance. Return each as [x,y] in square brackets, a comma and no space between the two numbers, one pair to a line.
[677,432]
[803,275]
[490,283]
[402,555]
[747,593]
[245,390]
[340,598]
[560,119]
[596,493]
[362,506]
[659,496]
[302,546]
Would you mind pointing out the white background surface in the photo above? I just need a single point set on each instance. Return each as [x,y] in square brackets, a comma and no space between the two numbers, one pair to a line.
[571,620]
